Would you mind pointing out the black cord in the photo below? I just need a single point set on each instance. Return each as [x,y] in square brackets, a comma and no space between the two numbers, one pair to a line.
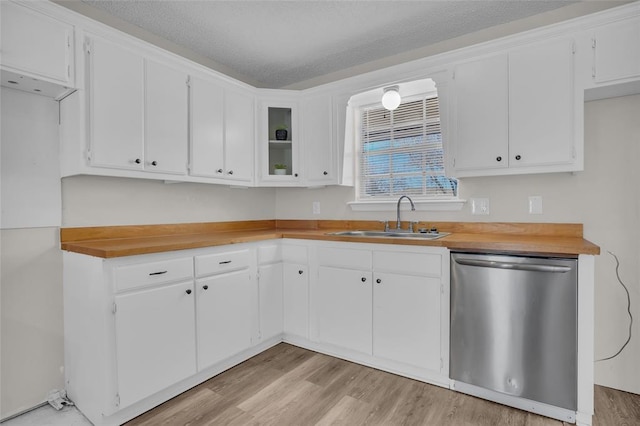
[628,310]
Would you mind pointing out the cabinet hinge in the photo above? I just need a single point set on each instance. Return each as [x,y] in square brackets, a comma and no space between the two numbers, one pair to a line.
[441,363]
[573,47]
[188,81]
[68,41]
[89,155]
[593,43]
[87,48]
[454,162]
[441,288]
[574,153]
[453,75]
[114,308]
[117,400]
[69,71]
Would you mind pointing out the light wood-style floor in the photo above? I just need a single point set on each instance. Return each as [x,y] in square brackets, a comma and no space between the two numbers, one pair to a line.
[287,385]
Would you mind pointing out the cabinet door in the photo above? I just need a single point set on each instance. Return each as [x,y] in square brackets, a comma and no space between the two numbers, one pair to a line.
[279,144]
[207,129]
[155,340]
[166,119]
[116,97]
[224,316]
[406,319]
[239,136]
[317,140]
[35,43]
[296,300]
[481,118]
[541,104]
[344,308]
[617,50]
[271,300]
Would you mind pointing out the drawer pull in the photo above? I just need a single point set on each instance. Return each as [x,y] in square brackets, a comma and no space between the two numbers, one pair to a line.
[189,291]
[224,262]
[205,287]
[158,273]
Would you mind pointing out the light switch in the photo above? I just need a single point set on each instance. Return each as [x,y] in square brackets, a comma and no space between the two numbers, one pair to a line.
[479,206]
[535,204]
[316,207]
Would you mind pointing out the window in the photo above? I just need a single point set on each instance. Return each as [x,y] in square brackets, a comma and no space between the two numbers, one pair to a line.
[400,152]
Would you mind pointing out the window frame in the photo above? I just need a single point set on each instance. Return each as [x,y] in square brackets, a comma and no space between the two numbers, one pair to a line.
[388,203]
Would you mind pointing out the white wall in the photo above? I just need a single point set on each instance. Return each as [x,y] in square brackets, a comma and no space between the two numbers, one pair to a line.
[102,201]
[605,198]
[30,260]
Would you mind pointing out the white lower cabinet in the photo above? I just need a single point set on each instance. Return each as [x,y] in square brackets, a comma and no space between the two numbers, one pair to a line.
[296,299]
[344,308]
[224,316]
[385,303]
[155,339]
[139,330]
[406,319]
[271,300]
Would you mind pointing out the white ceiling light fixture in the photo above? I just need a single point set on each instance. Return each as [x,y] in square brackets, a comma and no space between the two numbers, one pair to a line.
[391,97]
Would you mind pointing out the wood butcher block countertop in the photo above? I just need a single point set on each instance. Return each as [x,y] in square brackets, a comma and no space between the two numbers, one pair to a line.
[118,241]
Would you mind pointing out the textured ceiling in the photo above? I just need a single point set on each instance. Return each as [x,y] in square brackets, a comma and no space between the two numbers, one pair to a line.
[279,43]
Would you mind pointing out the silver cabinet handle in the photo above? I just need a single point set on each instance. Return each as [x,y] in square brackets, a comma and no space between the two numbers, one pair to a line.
[514,266]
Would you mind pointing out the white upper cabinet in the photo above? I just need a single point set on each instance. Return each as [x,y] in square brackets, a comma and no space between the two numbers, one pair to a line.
[138,111]
[541,104]
[222,137]
[481,121]
[207,128]
[36,45]
[278,143]
[514,112]
[616,49]
[116,105]
[318,142]
[239,135]
[166,119]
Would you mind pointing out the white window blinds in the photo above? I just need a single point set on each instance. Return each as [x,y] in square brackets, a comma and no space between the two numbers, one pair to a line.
[400,152]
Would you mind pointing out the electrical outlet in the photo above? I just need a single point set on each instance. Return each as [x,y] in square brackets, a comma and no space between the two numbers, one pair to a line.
[535,204]
[480,206]
[316,207]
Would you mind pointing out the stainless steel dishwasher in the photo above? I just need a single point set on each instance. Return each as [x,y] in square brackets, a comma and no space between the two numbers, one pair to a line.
[514,331]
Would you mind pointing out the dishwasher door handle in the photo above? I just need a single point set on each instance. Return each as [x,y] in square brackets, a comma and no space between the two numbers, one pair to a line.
[512,265]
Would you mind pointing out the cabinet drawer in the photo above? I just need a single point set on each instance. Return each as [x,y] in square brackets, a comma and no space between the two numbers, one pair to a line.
[408,263]
[144,274]
[222,262]
[345,258]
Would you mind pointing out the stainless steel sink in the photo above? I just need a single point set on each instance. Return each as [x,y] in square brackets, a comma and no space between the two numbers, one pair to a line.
[392,234]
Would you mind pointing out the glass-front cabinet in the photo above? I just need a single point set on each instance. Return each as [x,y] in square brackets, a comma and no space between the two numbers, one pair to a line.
[279,143]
